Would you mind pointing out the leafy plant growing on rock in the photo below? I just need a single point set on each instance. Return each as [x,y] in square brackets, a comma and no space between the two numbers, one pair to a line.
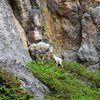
[10,87]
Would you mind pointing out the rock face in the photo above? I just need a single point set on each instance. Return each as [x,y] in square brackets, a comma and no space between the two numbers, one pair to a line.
[87,52]
[13,54]
[72,26]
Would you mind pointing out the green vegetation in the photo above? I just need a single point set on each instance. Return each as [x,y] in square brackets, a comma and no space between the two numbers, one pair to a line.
[82,71]
[63,83]
[10,87]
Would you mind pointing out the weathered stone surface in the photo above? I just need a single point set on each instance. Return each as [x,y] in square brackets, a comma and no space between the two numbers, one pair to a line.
[70,55]
[34,35]
[76,24]
[12,53]
[21,9]
[36,18]
[87,52]
[62,22]
[73,27]
[66,25]
[21,33]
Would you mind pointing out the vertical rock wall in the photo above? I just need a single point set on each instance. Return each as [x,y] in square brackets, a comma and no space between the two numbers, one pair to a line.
[13,50]
[73,28]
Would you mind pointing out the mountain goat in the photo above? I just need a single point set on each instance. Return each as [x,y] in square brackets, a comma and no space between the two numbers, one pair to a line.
[39,49]
[41,45]
[58,60]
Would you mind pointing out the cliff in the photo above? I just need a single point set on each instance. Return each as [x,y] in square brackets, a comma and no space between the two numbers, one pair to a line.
[13,49]
[72,26]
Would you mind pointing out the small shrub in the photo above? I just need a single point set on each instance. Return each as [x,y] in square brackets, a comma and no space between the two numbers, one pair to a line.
[10,87]
[8,79]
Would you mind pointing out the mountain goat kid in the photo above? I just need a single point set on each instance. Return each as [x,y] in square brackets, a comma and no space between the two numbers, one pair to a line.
[58,61]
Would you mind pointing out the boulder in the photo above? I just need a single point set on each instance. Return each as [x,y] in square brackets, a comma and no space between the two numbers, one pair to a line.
[88,53]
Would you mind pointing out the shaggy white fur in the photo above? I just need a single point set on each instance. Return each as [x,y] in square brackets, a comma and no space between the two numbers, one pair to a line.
[58,60]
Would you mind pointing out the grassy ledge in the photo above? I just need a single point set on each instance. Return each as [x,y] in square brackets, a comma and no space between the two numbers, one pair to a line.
[81,70]
[63,84]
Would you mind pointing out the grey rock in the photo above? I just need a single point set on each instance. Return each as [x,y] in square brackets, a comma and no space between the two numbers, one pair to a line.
[66,25]
[88,53]
[12,53]
[70,55]
[66,16]
[36,18]
[21,9]
[35,22]
[95,66]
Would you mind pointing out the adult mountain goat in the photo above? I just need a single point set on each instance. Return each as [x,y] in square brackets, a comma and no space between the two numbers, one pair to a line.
[38,49]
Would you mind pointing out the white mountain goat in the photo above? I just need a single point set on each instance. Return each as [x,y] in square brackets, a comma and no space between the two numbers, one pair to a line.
[58,60]
[38,49]
[41,45]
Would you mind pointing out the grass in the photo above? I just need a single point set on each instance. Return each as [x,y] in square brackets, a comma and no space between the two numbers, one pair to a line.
[10,87]
[64,85]
[82,71]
